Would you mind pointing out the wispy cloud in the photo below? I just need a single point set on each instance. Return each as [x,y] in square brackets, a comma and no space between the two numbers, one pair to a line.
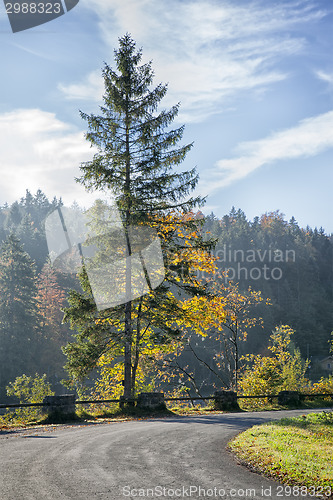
[43,54]
[44,152]
[326,77]
[207,50]
[309,138]
[92,85]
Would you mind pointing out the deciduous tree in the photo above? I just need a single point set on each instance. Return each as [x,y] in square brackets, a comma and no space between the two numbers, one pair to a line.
[284,369]
[224,316]
[50,300]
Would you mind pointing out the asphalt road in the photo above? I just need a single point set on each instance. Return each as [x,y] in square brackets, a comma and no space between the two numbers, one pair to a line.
[181,457]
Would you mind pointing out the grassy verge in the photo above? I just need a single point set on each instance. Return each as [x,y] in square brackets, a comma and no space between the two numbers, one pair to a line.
[296,451]
[11,421]
[137,413]
[27,417]
[93,412]
[266,405]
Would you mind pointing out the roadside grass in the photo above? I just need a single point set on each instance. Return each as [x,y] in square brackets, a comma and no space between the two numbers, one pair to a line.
[132,412]
[126,413]
[271,405]
[94,412]
[194,410]
[18,418]
[296,451]
[12,421]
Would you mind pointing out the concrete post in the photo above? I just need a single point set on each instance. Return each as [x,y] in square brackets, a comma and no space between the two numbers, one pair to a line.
[151,401]
[60,407]
[226,401]
[286,398]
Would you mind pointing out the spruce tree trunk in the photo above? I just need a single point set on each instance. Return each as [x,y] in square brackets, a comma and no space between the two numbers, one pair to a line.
[128,386]
[128,354]
[128,389]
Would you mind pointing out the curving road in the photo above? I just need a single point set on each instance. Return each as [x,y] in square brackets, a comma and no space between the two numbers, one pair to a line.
[182,457]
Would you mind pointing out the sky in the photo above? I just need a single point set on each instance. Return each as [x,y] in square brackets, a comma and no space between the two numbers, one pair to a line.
[254,80]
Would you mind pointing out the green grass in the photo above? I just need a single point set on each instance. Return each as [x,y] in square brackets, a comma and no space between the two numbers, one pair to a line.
[266,405]
[11,420]
[112,411]
[93,412]
[296,451]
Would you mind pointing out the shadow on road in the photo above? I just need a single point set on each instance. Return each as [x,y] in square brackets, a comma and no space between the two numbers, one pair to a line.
[237,419]
[41,437]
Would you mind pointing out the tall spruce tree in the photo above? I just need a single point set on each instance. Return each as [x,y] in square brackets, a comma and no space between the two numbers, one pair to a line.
[135,160]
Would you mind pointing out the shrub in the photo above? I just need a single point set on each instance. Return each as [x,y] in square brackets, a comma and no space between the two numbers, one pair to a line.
[29,390]
[283,370]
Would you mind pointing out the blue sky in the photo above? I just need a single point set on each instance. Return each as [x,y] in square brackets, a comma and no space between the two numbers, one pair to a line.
[254,78]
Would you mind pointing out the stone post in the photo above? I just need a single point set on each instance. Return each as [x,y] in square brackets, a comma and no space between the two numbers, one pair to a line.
[289,398]
[226,401]
[151,401]
[60,407]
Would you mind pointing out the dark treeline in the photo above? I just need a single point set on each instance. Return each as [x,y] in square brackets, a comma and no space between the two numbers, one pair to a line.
[290,265]
[31,294]
[25,219]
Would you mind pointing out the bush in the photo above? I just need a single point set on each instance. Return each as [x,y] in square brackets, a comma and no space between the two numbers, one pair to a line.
[324,386]
[283,370]
[29,390]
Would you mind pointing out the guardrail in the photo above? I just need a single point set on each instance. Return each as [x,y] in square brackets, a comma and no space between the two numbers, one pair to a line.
[218,395]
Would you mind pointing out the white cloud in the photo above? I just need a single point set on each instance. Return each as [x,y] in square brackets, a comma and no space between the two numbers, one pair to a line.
[39,151]
[326,77]
[309,138]
[207,50]
[91,86]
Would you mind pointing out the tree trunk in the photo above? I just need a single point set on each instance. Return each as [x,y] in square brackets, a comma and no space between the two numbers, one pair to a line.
[128,386]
